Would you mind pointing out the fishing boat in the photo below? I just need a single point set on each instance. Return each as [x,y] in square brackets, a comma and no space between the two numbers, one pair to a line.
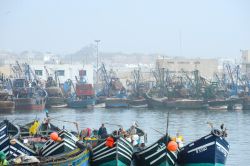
[114,151]
[55,97]
[112,93]
[138,103]
[9,142]
[84,96]
[118,99]
[65,145]
[136,88]
[115,102]
[28,97]
[230,103]
[223,107]
[246,103]
[64,150]
[210,150]
[6,101]
[78,157]
[185,104]
[117,149]
[159,102]
[43,128]
[156,155]
[190,104]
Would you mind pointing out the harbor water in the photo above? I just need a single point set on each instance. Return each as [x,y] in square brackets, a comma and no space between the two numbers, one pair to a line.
[192,124]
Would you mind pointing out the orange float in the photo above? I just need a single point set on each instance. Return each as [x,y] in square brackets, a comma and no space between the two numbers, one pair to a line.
[110,142]
[59,139]
[54,136]
[172,146]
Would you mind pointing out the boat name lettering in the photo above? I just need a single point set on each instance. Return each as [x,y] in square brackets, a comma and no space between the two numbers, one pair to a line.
[222,150]
[24,150]
[201,150]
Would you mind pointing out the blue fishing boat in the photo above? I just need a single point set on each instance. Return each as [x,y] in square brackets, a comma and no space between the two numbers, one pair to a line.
[210,150]
[9,143]
[84,95]
[76,102]
[116,103]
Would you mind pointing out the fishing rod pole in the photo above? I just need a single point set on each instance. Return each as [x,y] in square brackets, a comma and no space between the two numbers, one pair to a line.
[167,123]
[113,124]
[75,123]
[158,131]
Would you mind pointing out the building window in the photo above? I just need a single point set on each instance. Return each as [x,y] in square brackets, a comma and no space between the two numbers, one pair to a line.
[39,72]
[60,72]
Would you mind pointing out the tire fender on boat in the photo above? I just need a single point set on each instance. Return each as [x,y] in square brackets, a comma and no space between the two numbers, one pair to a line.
[217,132]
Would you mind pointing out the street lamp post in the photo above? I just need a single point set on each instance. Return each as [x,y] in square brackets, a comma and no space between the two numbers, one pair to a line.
[97,60]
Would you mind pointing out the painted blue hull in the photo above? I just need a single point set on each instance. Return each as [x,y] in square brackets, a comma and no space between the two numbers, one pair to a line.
[81,103]
[116,103]
[10,145]
[208,150]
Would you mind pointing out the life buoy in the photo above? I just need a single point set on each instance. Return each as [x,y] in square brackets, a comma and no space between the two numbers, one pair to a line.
[217,132]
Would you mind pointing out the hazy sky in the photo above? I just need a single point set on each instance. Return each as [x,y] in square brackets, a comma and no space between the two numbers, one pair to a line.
[205,28]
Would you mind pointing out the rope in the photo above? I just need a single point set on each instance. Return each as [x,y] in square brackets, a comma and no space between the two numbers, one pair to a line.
[75,123]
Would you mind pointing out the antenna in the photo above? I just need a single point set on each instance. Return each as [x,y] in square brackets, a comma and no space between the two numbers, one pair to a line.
[167,123]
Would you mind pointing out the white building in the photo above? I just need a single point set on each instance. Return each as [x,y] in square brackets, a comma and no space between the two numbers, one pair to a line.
[64,71]
[245,62]
[207,67]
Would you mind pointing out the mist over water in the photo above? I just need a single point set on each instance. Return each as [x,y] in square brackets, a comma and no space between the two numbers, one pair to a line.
[192,124]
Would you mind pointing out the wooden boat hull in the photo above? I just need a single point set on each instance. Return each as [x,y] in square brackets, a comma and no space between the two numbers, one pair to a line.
[7,105]
[77,157]
[211,150]
[223,107]
[191,104]
[185,104]
[30,104]
[67,144]
[119,155]
[156,154]
[246,103]
[81,103]
[138,103]
[116,103]
[81,159]
[56,102]
[8,142]
[229,103]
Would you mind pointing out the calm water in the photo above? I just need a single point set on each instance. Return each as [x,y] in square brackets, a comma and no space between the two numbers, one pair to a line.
[191,124]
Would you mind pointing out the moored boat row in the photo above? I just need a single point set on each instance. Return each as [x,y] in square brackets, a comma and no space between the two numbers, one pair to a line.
[121,148]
